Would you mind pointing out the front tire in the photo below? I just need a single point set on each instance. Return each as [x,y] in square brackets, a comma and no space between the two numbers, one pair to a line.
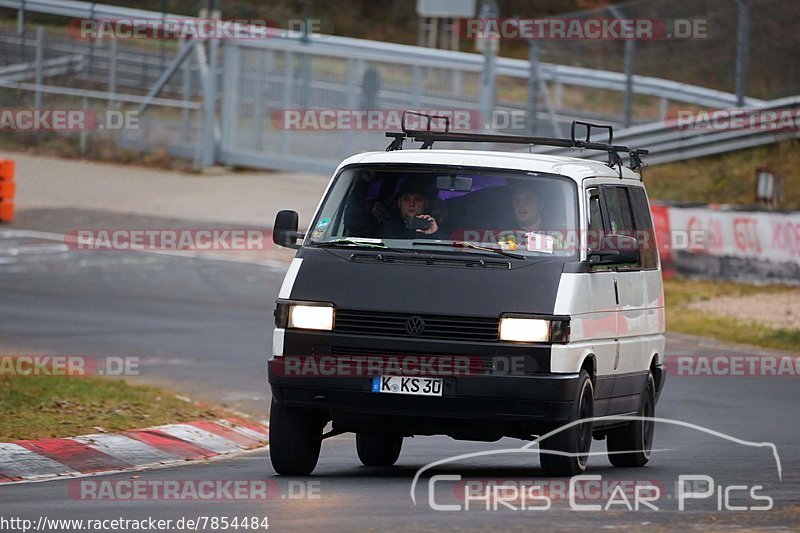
[378,450]
[632,444]
[576,440]
[295,438]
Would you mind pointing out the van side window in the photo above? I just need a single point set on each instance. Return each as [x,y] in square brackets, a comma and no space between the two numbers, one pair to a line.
[644,229]
[620,214]
[595,223]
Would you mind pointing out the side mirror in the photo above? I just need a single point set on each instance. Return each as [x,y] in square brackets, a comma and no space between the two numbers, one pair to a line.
[284,231]
[615,250]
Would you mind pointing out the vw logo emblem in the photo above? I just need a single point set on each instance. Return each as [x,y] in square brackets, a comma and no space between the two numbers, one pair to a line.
[415,326]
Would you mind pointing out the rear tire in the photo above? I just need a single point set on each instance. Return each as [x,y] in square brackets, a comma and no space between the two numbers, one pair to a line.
[295,438]
[378,450]
[574,440]
[635,439]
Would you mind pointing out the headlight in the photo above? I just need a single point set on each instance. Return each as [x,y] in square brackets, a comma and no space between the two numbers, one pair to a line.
[519,329]
[310,317]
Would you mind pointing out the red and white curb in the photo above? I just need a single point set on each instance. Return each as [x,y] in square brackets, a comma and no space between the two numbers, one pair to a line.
[42,459]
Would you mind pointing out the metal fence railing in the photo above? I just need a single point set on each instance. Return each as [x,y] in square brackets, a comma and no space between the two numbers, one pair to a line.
[221,101]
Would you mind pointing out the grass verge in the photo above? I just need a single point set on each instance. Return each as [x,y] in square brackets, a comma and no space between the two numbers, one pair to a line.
[681,318]
[728,178]
[66,406]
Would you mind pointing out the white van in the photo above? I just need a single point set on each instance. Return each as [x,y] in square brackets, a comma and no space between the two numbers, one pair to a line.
[475,294]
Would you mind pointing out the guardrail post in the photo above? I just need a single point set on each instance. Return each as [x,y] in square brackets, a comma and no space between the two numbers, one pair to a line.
[258,104]
[416,86]
[91,43]
[533,86]
[489,48]
[210,105]
[37,96]
[488,85]
[84,132]
[288,83]
[112,76]
[352,101]
[230,95]
[185,91]
[630,52]
[742,50]
[21,31]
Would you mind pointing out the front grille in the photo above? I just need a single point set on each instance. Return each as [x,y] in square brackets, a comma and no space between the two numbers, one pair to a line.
[435,326]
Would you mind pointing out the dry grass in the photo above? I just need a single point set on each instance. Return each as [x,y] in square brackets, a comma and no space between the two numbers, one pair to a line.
[65,406]
[684,317]
[727,178]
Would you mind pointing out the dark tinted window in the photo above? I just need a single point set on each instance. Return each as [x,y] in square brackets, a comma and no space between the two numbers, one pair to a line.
[620,216]
[619,213]
[595,224]
[644,228]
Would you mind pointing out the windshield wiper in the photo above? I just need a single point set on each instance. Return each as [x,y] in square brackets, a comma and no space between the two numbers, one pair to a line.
[464,244]
[359,242]
[352,242]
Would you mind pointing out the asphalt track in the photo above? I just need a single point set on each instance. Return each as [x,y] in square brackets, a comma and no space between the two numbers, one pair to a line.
[204,328]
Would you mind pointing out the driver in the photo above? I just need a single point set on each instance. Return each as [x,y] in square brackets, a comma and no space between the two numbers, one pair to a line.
[527,207]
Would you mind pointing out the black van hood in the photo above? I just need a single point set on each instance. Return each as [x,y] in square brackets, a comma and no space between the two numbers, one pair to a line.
[328,275]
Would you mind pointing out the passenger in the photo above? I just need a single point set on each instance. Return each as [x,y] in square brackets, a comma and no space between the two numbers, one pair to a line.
[413,204]
[527,208]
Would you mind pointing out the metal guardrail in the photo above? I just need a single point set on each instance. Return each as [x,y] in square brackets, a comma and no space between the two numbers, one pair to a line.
[347,47]
[667,142]
[258,77]
[56,66]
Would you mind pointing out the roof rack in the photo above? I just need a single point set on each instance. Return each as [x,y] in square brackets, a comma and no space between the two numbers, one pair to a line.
[428,136]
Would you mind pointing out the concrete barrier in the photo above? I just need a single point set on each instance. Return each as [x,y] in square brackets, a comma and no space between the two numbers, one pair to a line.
[726,244]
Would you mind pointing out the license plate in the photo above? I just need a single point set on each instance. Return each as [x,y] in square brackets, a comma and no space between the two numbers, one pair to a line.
[407,385]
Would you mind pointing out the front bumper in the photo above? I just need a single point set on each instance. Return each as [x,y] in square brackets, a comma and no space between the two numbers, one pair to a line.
[532,396]
[544,398]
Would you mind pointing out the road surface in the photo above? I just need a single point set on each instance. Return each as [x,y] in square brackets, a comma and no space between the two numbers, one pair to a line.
[203,327]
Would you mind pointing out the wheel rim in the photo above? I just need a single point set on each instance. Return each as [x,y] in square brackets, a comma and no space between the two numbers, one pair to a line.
[585,411]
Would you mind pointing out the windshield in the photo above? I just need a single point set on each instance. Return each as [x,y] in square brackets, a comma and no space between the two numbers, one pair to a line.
[425,208]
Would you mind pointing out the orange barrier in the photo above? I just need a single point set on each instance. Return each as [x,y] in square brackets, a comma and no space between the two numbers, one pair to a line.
[7,190]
